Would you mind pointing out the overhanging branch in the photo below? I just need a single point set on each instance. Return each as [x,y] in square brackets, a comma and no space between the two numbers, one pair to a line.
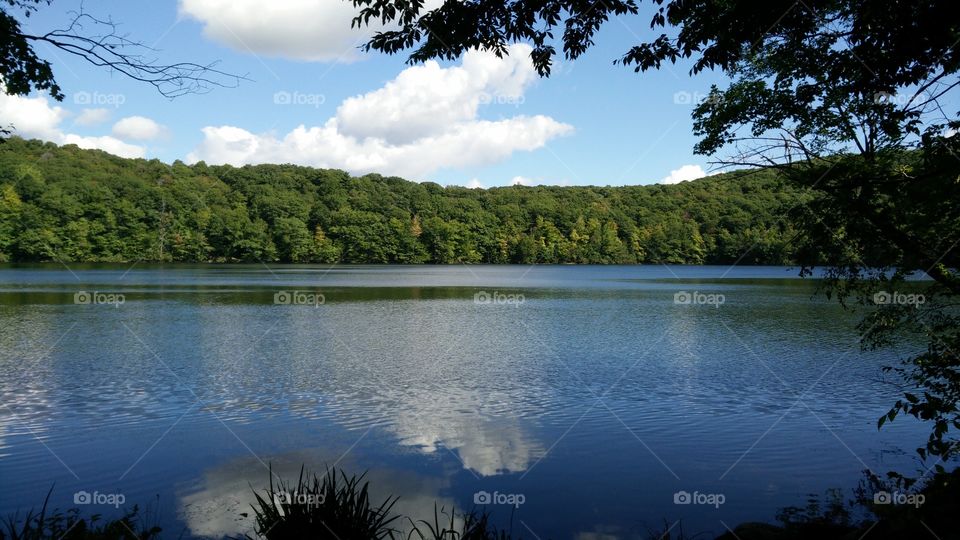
[116,52]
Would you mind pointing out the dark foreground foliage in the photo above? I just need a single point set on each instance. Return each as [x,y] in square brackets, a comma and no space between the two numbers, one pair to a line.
[879,508]
[46,524]
[330,506]
[335,506]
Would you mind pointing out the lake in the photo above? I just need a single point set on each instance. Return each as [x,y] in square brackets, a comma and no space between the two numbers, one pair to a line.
[588,402]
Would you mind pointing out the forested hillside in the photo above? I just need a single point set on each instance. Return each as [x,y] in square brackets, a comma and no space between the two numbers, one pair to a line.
[68,204]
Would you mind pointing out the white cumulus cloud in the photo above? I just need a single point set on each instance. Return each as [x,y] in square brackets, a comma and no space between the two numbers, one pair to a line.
[424,120]
[138,128]
[31,117]
[684,173]
[35,117]
[424,100]
[312,30]
[92,117]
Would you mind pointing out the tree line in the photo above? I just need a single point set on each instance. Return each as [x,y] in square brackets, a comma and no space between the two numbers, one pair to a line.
[69,204]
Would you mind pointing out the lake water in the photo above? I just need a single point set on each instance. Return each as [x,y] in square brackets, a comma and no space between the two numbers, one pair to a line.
[595,393]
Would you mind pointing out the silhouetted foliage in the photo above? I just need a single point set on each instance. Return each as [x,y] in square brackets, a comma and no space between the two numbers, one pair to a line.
[878,509]
[46,524]
[338,506]
[330,506]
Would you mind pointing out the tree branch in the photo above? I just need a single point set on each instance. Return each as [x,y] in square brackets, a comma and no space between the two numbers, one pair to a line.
[116,52]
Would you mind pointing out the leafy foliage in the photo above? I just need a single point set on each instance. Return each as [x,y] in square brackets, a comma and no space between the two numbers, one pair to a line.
[851,101]
[20,67]
[453,27]
[68,204]
[847,34]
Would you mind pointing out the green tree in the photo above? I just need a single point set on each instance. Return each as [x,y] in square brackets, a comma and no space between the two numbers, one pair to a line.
[408,249]
[324,249]
[98,207]
[363,237]
[449,242]
[293,240]
[10,208]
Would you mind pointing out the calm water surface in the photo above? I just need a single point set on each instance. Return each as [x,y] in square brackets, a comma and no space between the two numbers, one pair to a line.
[587,390]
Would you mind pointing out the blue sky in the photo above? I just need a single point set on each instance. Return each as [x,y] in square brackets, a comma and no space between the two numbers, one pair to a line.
[475,121]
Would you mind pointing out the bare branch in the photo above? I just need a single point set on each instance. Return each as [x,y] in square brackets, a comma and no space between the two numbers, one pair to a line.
[104,47]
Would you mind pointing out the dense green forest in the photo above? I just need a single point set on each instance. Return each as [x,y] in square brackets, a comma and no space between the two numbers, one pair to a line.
[68,204]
